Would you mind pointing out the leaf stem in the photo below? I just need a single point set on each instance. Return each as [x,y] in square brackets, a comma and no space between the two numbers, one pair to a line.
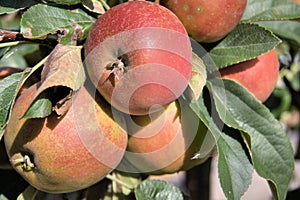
[10,44]
[113,178]
[105,5]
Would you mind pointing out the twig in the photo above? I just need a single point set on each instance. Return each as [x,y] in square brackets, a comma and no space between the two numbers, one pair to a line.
[9,35]
[10,44]
[112,178]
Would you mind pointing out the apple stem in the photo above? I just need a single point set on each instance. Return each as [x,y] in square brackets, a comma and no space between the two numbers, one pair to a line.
[113,178]
[105,5]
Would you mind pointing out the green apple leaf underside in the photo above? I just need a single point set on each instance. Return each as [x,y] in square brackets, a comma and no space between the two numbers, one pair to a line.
[41,20]
[245,42]
[270,10]
[157,190]
[234,168]
[271,151]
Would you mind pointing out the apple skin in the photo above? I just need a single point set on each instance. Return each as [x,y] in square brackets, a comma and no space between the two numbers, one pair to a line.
[207,21]
[153,49]
[258,75]
[66,151]
[166,142]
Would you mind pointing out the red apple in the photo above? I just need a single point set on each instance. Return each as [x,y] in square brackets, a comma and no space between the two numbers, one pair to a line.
[258,75]
[138,55]
[166,141]
[69,153]
[207,21]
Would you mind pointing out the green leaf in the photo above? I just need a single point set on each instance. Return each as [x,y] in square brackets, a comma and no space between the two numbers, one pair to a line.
[157,190]
[267,10]
[40,20]
[271,151]
[10,6]
[8,90]
[40,108]
[16,56]
[66,2]
[234,169]
[285,29]
[245,42]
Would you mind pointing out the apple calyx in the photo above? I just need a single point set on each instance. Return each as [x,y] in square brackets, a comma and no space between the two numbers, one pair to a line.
[24,161]
[117,68]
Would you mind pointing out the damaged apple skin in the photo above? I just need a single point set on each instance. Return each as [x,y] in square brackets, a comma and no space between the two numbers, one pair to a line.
[138,55]
[67,153]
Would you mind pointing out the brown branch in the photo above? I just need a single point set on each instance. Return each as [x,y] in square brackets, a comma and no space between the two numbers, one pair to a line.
[9,35]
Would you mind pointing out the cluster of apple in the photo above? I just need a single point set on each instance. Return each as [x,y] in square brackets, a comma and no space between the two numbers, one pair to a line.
[129,116]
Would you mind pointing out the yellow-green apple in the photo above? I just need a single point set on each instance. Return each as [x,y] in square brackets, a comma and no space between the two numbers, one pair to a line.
[166,142]
[67,153]
[258,75]
[207,21]
[138,55]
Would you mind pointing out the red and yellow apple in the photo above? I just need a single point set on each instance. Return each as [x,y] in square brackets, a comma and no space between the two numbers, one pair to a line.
[166,142]
[138,55]
[207,21]
[67,153]
[258,75]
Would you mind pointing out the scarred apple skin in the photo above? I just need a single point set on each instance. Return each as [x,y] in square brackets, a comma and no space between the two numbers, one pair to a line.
[258,75]
[166,142]
[138,55]
[65,154]
[207,21]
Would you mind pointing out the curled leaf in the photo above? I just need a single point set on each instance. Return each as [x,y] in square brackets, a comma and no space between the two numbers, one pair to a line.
[62,68]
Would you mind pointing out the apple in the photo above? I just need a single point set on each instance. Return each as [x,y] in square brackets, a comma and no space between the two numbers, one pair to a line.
[138,55]
[166,142]
[258,75]
[207,21]
[66,153]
